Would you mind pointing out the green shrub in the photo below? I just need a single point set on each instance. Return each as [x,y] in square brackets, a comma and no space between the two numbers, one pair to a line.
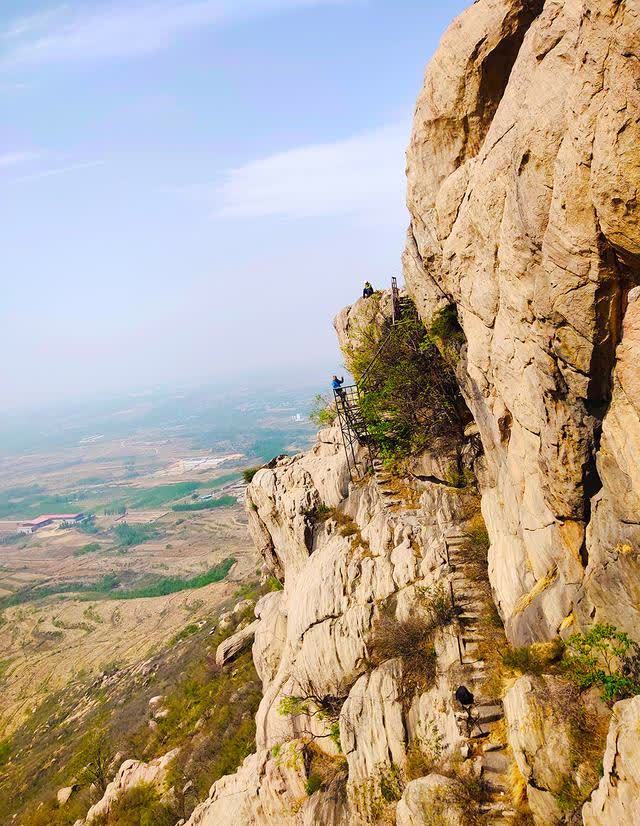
[604,657]
[211,504]
[139,806]
[274,584]
[130,535]
[327,709]
[187,631]
[249,472]
[173,584]
[313,784]
[90,548]
[409,395]
[445,326]
[323,413]
[321,513]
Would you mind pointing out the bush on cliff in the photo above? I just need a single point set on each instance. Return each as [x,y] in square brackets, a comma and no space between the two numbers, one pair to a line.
[139,806]
[323,413]
[409,395]
[607,658]
[412,639]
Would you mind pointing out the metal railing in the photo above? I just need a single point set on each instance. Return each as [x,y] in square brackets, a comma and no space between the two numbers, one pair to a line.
[396,310]
[354,430]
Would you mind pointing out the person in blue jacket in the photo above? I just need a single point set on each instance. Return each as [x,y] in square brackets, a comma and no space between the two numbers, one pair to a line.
[336,384]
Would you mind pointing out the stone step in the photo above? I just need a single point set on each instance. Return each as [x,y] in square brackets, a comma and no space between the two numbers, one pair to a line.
[493,747]
[488,707]
[485,719]
[496,787]
[471,639]
[498,810]
[495,762]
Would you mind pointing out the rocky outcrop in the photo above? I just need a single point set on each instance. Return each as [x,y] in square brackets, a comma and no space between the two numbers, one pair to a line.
[130,774]
[617,798]
[345,558]
[236,643]
[431,799]
[612,582]
[522,192]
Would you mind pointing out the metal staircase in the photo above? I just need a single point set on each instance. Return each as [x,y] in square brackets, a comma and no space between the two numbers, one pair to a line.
[348,400]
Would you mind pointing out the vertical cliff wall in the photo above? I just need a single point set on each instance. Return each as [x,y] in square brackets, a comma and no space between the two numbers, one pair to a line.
[523,171]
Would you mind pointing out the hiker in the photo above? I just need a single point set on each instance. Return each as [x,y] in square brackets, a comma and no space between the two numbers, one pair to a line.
[368,290]
[336,384]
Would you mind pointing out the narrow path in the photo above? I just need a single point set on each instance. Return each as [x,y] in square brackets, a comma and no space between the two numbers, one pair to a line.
[485,734]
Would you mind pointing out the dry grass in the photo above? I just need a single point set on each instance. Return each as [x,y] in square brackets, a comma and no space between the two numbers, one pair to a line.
[539,658]
[412,641]
[346,527]
[541,585]
[325,768]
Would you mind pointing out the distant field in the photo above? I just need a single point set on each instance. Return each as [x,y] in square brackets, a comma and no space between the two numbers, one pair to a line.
[108,587]
[31,501]
[221,502]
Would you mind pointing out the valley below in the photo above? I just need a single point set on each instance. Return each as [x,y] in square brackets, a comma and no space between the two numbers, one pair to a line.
[125,596]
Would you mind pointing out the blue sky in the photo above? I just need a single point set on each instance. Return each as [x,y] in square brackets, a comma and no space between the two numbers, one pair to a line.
[193,188]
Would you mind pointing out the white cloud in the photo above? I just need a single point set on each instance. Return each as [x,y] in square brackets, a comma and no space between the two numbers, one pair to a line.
[59,170]
[362,174]
[68,33]
[15,158]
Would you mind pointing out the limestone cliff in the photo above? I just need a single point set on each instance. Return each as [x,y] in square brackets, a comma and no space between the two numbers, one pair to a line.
[523,172]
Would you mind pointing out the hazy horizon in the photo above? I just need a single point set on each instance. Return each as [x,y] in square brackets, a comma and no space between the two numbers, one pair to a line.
[193,188]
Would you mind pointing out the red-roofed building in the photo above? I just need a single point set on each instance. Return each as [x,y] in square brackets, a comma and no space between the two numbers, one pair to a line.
[48,519]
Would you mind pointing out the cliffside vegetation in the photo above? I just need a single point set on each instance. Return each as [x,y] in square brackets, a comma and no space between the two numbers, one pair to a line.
[409,394]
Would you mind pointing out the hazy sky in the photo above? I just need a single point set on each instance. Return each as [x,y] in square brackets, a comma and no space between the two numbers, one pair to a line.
[193,188]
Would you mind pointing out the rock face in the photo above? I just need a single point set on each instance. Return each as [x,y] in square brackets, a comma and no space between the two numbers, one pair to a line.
[430,799]
[235,644]
[554,738]
[345,559]
[523,179]
[617,798]
[130,774]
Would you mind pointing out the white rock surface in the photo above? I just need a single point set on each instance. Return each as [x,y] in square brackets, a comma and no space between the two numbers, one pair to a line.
[616,801]
[130,774]
[235,644]
[431,799]
[521,180]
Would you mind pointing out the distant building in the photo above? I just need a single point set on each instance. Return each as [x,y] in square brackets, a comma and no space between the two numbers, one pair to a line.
[48,519]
